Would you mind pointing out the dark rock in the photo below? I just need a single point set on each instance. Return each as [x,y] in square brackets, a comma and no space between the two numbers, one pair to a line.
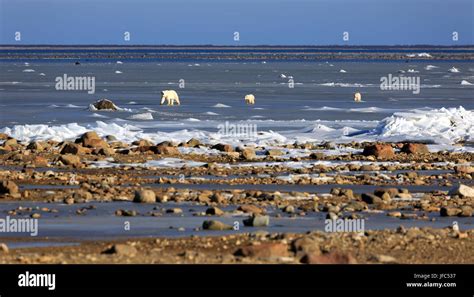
[92,140]
[218,198]
[121,249]
[8,187]
[144,196]
[384,151]
[264,250]
[36,146]
[391,192]
[329,258]
[105,104]
[71,160]
[415,148]
[274,153]
[164,150]
[40,161]
[248,154]
[466,211]
[251,209]
[464,169]
[223,147]
[215,226]
[193,142]
[371,199]
[316,156]
[174,210]
[462,191]
[306,244]
[214,211]
[74,149]
[450,211]
[257,221]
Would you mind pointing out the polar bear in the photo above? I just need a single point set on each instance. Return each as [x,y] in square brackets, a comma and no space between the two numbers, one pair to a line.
[170,96]
[250,99]
[357,97]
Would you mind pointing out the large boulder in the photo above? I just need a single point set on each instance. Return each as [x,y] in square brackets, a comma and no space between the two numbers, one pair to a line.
[121,249]
[142,143]
[274,153]
[252,209]
[306,244]
[11,144]
[248,154]
[464,169]
[193,142]
[40,161]
[333,257]
[36,146]
[449,211]
[71,160]
[380,150]
[98,144]
[371,199]
[257,221]
[8,187]
[223,147]
[264,250]
[73,148]
[92,140]
[215,226]
[163,149]
[462,191]
[415,148]
[214,211]
[145,196]
[104,104]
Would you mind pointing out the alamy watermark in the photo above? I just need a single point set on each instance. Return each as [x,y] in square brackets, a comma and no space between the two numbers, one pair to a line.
[28,279]
[14,225]
[75,83]
[240,130]
[345,36]
[344,225]
[400,83]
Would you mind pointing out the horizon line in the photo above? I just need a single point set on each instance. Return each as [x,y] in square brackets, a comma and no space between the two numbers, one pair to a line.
[228,45]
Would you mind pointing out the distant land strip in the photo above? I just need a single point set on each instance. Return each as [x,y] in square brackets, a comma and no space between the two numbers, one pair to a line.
[229,53]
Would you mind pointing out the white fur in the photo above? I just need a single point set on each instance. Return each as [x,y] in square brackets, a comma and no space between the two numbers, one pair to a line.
[170,96]
[357,97]
[250,99]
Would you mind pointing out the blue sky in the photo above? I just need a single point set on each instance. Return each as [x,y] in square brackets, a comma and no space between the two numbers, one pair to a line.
[273,22]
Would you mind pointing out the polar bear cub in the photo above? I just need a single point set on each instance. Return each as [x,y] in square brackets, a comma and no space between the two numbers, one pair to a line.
[357,97]
[170,96]
[250,99]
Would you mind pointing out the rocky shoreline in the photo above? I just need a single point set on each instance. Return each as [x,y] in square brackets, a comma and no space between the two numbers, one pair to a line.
[400,246]
[404,181]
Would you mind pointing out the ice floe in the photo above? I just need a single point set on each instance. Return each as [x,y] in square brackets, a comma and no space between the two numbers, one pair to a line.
[443,127]
[220,105]
[454,70]
[141,116]
[419,55]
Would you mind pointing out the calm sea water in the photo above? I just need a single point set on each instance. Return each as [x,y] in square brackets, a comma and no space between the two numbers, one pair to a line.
[321,92]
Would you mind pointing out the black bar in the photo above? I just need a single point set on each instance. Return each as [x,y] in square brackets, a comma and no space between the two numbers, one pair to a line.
[117,277]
